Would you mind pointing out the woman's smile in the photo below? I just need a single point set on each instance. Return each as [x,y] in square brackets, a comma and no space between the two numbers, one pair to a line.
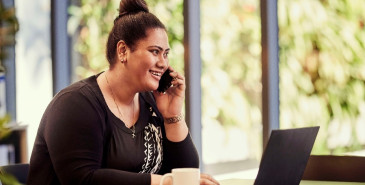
[156,74]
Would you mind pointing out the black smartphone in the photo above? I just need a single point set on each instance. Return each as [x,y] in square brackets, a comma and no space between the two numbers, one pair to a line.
[165,82]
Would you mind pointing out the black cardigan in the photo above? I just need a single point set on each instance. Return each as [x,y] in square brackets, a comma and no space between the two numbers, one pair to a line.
[80,141]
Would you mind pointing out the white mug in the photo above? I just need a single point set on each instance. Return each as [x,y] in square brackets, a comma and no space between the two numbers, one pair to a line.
[183,176]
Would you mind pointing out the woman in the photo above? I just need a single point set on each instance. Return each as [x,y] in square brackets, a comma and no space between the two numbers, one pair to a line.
[110,128]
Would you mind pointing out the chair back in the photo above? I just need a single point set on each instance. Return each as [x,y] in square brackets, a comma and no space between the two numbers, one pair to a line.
[19,171]
[335,168]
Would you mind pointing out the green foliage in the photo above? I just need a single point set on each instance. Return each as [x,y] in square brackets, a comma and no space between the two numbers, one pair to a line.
[231,64]
[4,129]
[92,20]
[8,179]
[8,27]
[322,62]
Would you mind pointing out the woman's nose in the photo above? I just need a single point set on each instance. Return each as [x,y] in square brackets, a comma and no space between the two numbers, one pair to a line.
[162,62]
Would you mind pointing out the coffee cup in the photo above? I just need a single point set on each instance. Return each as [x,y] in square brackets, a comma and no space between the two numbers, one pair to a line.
[183,176]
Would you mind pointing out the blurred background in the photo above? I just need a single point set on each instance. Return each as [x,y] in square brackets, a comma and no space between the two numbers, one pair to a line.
[321,70]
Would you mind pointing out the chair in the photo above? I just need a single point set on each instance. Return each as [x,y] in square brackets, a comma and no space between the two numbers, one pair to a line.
[335,168]
[19,171]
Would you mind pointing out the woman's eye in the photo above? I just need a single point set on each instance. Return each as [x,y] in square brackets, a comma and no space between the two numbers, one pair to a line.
[166,55]
[155,52]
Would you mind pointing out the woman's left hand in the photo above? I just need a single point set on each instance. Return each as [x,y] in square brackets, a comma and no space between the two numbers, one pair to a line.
[171,102]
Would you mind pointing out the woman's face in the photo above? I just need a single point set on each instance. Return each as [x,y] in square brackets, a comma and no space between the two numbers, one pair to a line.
[148,61]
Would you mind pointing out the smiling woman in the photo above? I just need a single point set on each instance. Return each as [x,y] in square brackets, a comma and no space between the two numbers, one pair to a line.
[115,127]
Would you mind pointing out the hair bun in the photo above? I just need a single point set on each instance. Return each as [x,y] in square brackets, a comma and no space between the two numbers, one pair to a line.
[132,6]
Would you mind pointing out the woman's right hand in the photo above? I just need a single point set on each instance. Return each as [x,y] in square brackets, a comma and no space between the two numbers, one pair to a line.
[205,179]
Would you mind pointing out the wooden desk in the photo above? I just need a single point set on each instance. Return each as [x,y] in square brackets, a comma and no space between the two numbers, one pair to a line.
[303,182]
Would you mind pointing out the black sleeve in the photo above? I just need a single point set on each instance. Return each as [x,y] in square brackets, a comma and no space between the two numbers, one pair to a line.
[74,134]
[179,155]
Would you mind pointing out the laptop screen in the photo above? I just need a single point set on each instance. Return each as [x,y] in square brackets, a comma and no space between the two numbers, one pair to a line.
[286,156]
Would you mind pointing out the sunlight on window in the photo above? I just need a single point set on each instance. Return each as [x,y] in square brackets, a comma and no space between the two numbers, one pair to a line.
[33,65]
[322,71]
[231,83]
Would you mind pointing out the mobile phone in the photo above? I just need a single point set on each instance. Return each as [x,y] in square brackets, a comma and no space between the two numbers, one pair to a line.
[165,82]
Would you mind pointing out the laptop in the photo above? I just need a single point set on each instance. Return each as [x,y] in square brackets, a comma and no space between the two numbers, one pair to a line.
[286,155]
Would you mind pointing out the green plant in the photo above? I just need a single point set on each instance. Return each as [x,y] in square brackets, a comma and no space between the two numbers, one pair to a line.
[231,70]
[7,179]
[322,64]
[8,27]
[4,130]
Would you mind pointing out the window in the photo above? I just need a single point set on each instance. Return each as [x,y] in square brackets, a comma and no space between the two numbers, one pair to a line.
[322,72]
[231,85]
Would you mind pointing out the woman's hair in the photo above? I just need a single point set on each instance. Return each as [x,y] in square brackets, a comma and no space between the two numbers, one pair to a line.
[130,25]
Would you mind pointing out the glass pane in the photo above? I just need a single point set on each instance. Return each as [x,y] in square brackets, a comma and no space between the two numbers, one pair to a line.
[322,67]
[231,85]
[33,65]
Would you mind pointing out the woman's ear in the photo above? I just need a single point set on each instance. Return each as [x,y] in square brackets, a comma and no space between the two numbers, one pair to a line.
[121,51]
